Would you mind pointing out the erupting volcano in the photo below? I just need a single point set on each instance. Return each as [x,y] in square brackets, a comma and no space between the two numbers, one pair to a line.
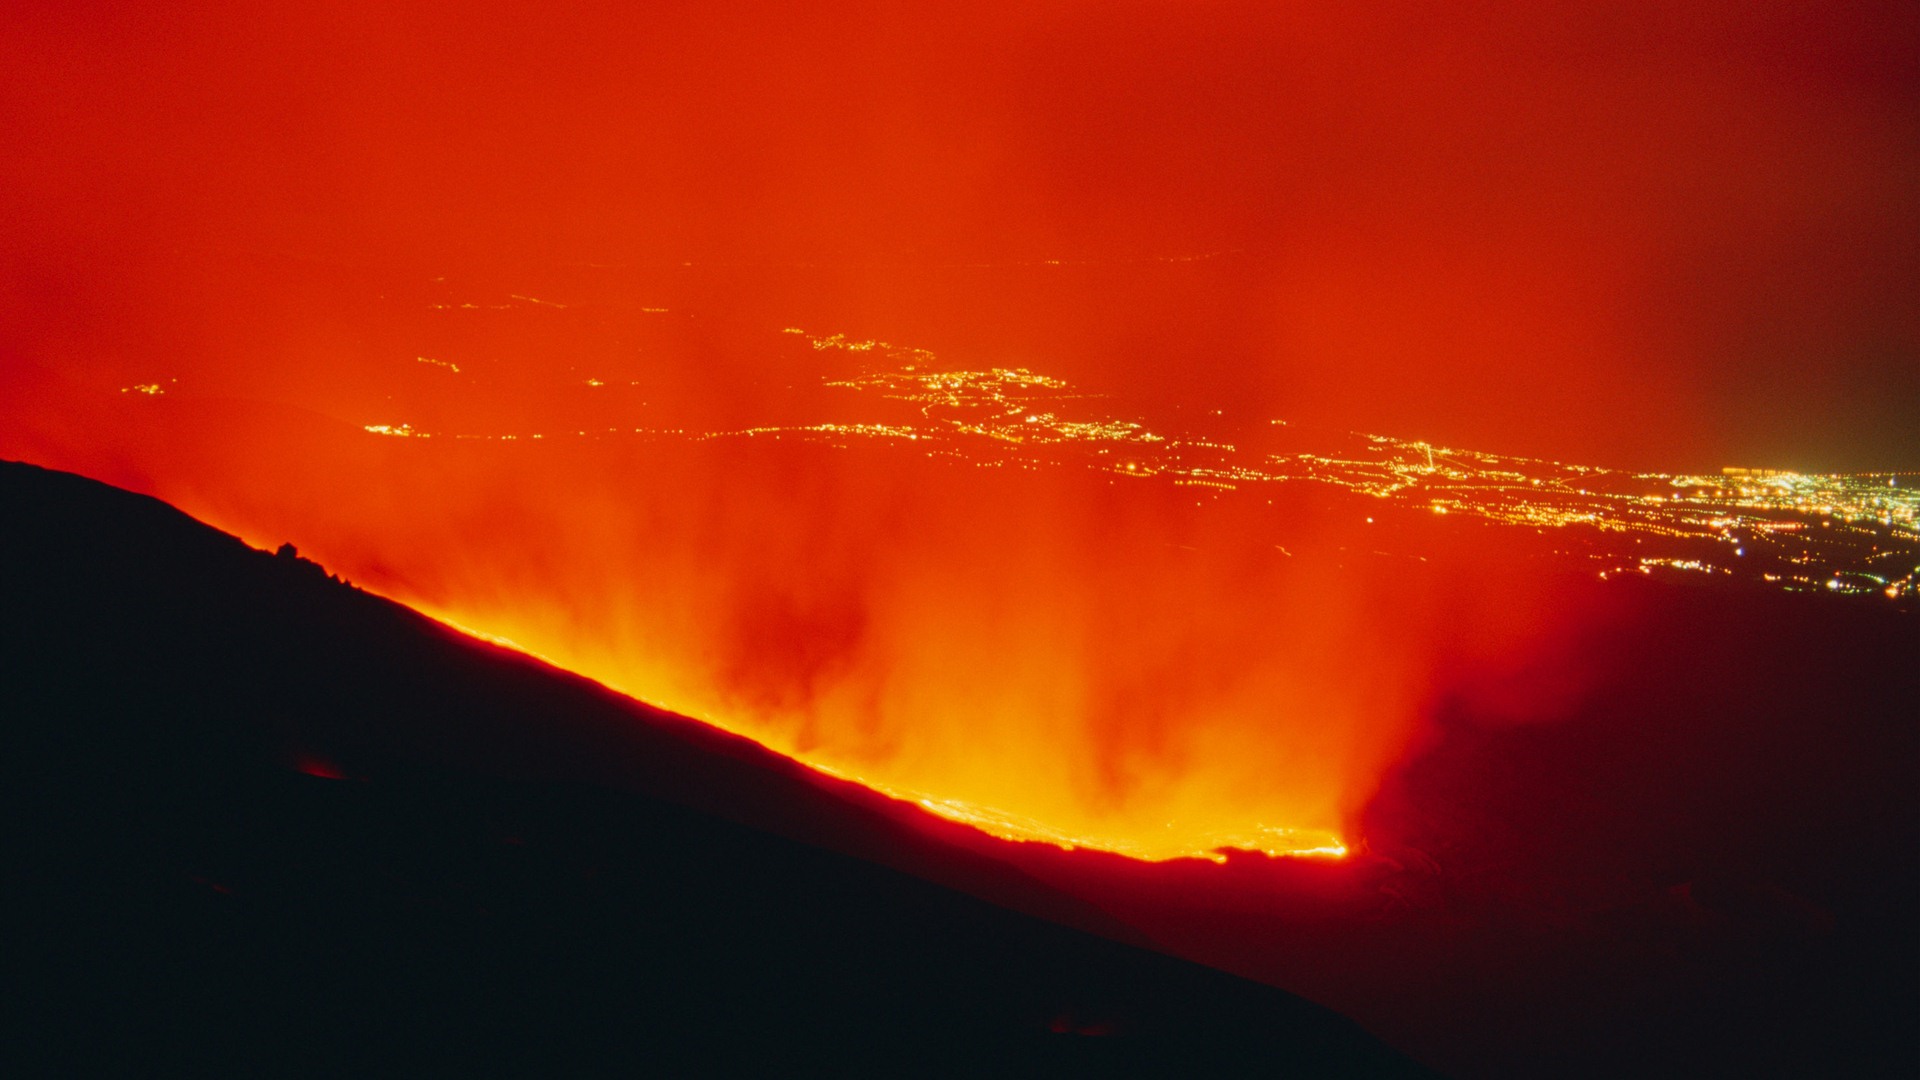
[1364,457]
[980,588]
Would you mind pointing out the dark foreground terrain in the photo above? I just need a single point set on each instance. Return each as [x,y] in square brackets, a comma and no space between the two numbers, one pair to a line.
[263,821]
[261,818]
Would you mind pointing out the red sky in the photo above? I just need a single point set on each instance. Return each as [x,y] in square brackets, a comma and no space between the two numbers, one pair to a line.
[1670,235]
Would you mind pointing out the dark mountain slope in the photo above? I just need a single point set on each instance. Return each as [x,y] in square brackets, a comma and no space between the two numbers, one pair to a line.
[262,819]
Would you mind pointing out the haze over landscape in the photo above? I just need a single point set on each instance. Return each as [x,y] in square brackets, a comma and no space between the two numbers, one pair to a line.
[1181,430]
[984,588]
[1636,235]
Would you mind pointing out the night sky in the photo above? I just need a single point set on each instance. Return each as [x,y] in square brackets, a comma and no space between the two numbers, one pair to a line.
[1674,235]
[1104,425]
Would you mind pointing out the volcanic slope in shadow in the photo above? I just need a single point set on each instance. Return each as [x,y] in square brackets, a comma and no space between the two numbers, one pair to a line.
[264,819]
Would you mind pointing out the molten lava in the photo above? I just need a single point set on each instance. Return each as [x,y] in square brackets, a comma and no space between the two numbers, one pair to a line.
[981,589]
[575,330]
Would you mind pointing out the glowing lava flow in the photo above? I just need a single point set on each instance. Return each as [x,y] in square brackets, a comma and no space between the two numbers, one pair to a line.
[1172,844]
[1297,843]
[1273,842]
[970,586]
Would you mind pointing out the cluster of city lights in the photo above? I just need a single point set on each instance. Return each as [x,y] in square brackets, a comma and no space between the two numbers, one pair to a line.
[1853,535]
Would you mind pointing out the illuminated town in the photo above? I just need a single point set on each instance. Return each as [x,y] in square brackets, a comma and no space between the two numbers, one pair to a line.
[1855,535]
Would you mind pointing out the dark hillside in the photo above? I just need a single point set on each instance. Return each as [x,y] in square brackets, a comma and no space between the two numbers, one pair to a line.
[263,819]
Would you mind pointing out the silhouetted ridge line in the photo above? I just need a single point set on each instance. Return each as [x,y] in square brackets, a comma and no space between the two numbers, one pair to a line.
[269,820]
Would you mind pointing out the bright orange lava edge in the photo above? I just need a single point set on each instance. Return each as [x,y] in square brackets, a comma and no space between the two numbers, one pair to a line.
[1266,840]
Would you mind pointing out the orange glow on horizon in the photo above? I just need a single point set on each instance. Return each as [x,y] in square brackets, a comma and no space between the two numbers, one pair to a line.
[1173,844]
[1020,644]
[981,590]
[902,387]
